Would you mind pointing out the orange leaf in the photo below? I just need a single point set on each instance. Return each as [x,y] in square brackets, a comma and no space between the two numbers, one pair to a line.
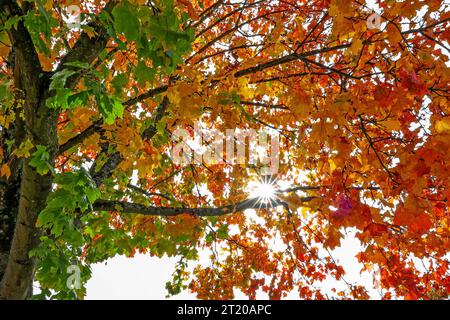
[5,171]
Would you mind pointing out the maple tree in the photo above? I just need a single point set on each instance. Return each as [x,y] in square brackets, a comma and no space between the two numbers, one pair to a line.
[87,114]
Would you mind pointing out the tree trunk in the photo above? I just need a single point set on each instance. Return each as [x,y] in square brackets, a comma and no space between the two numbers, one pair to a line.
[22,199]
[39,125]
[10,187]
[34,189]
[9,203]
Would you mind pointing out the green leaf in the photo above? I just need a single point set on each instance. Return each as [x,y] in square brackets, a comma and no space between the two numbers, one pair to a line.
[77,64]
[111,108]
[161,127]
[60,99]
[59,79]
[119,82]
[222,232]
[42,46]
[77,99]
[40,27]
[12,22]
[126,21]
[209,237]
[144,73]
[40,159]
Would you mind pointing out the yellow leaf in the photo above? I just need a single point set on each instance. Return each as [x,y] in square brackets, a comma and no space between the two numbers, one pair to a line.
[340,7]
[294,201]
[89,31]
[174,95]
[393,34]
[392,124]
[5,45]
[244,88]
[332,165]
[24,149]
[356,46]
[4,51]
[442,126]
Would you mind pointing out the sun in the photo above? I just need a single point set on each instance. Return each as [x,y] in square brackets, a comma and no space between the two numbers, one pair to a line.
[263,190]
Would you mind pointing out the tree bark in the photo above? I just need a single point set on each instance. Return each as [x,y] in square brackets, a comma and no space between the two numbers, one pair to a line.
[34,188]
[18,277]
[39,125]
[9,203]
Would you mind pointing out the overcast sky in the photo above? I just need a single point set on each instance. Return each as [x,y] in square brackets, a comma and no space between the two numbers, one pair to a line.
[144,277]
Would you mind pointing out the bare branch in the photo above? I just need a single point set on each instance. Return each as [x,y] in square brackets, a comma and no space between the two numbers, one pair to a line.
[134,208]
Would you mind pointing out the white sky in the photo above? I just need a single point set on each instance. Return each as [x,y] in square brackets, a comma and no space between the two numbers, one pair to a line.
[141,277]
[144,277]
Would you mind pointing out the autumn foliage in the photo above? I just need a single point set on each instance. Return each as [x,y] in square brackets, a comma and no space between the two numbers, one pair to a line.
[363,120]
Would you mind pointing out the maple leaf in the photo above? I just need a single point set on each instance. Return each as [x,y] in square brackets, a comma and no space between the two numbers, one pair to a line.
[442,126]
[5,171]
[411,82]
[377,229]
[417,222]
[344,206]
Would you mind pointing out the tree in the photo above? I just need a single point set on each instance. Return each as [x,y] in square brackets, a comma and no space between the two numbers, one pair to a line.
[88,113]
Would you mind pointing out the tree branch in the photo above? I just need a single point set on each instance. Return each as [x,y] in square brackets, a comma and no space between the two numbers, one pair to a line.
[150,93]
[134,208]
[87,49]
[287,58]
[97,125]
[93,128]
[114,160]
